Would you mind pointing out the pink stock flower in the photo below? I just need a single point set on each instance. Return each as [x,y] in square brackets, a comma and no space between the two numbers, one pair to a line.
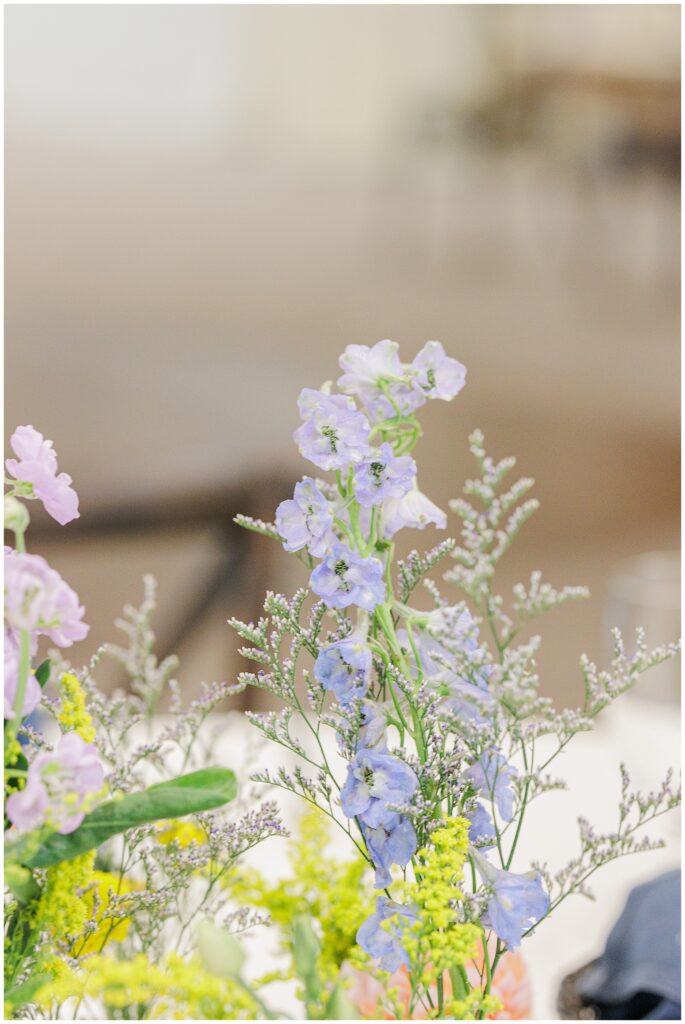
[36,464]
[32,693]
[57,787]
[38,599]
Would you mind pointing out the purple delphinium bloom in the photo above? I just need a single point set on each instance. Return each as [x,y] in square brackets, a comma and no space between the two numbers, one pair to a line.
[388,844]
[377,376]
[36,464]
[493,776]
[334,433]
[517,901]
[383,475]
[346,578]
[482,830]
[437,374]
[32,692]
[414,510]
[57,785]
[306,520]
[385,944]
[344,668]
[376,779]
[38,599]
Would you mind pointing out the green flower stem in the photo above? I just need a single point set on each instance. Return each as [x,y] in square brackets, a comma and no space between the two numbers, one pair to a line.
[24,666]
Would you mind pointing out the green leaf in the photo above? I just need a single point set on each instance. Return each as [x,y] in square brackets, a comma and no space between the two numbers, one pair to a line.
[306,949]
[198,791]
[21,883]
[220,951]
[24,993]
[42,673]
[339,1007]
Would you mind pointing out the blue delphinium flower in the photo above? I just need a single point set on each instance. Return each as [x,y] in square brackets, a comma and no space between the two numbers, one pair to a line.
[385,944]
[517,901]
[373,725]
[482,830]
[437,374]
[492,775]
[345,578]
[376,779]
[306,520]
[344,668]
[379,378]
[413,510]
[383,475]
[334,433]
[391,843]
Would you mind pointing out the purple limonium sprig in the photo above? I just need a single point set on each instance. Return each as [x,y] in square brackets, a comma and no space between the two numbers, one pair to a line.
[385,943]
[306,520]
[334,433]
[344,668]
[382,476]
[437,374]
[375,780]
[517,902]
[57,787]
[345,578]
[493,776]
[36,465]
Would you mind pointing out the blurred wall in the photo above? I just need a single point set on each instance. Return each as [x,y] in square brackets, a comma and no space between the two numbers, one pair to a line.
[204,205]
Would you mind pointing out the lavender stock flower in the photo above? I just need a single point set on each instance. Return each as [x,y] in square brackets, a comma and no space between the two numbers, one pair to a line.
[376,779]
[346,578]
[38,599]
[306,519]
[344,668]
[385,944]
[36,464]
[57,786]
[334,433]
[383,475]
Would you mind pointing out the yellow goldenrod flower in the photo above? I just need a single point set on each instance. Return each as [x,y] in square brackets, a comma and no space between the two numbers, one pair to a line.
[73,715]
[182,832]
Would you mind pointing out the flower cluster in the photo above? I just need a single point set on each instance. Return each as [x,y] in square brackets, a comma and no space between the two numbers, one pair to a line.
[437,722]
[98,845]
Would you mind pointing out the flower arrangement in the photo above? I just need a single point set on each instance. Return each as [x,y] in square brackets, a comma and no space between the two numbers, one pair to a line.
[416,733]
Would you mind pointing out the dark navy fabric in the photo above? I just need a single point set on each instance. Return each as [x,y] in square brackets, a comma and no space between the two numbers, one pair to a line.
[638,975]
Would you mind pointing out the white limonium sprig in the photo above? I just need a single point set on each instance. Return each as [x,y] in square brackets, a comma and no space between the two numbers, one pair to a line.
[438,714]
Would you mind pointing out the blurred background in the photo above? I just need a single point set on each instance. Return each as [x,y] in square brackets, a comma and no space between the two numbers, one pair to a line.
[204,205]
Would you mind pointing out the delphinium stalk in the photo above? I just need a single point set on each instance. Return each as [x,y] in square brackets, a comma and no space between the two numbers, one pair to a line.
[438,727]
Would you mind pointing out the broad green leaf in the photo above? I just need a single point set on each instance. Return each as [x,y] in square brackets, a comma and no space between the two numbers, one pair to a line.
[220,951]
[198,791]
